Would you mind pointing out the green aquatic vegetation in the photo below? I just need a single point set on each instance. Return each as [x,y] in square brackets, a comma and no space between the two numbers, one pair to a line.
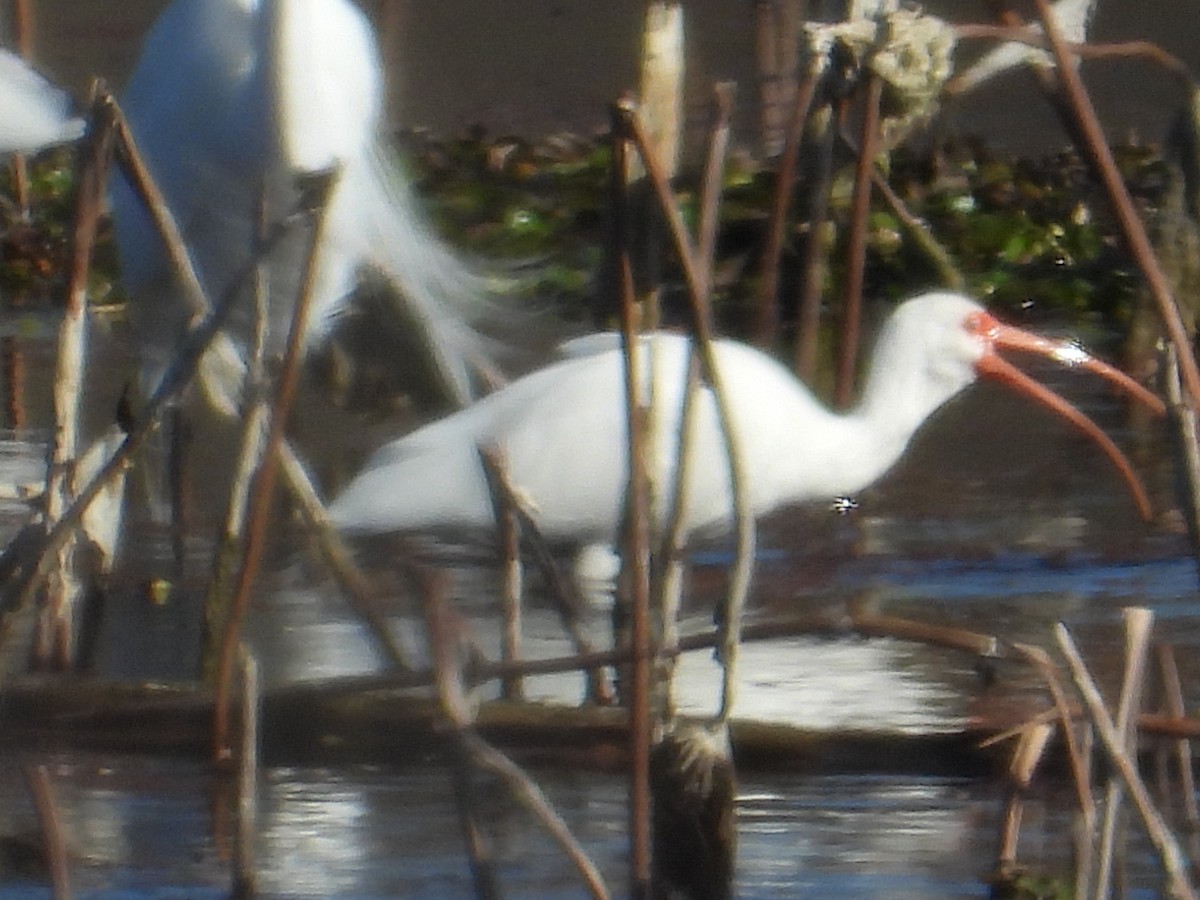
[1024,233]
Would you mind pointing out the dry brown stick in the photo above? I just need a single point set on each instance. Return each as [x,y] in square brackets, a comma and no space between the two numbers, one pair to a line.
[509,545]
[1138,626]
[744,525]
[856,245]
[55,644]
[669,570]
[227,554]
[815,264]
[767,319]
[711,184]
[264,482]
[244,878]
[1181,417]
[1031,747]
[1080,771]
[1132,228]
[635,569]
[1173,860]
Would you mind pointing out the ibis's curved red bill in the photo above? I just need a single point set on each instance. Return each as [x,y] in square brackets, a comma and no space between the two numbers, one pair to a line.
[996,335]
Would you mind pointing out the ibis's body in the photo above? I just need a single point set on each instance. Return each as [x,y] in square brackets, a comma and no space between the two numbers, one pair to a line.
[561,432]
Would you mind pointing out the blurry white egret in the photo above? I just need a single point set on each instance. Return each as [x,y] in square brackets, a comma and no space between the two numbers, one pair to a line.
[34,114]
[230,101]
[561,430]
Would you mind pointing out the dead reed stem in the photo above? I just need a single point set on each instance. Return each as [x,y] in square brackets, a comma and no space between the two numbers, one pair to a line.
[509,545]
[1173,689]
[1173,860]
[767,321]
[444,641]
[561,591]
[635,569]
[856,244]
[244,878]
[744,525]
[1031,747]
[1080,770]
[1132,228]
[55,643]
[815,263]
[1138,633]
[264,482]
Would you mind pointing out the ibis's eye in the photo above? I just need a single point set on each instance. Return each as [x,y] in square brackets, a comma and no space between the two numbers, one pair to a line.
[979,323]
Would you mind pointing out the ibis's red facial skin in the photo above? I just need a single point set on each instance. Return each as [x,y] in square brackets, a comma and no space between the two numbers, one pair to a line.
[994,335]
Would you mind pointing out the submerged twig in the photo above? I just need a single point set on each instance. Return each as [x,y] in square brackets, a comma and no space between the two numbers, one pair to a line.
[244,880]
[52,830]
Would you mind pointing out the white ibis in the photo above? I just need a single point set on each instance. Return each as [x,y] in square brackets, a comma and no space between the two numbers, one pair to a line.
[229,102]
[561,431]
[34,114]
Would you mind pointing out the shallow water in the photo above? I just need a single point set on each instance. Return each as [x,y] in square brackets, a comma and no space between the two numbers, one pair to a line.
[998,522]
[145,828]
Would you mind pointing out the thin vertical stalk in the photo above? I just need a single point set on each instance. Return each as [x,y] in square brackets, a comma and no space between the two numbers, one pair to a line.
[1183,420]
[509,547]
[1173,688]
[856,249]
[816,252]
[264,483]
[744,526]
[244,879]
[1138,625]
[1132,228]
[23,30]
[560,589]
[12,364]
[56,640]
[710,188]
[636,572]
[1031,747]
[766,329]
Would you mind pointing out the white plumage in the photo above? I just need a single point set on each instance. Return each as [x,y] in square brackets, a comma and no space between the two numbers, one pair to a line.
[561,431]
[34,114]
[229,102]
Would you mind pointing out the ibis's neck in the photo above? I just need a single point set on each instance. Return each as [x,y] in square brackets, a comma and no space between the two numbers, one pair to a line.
[875,434]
